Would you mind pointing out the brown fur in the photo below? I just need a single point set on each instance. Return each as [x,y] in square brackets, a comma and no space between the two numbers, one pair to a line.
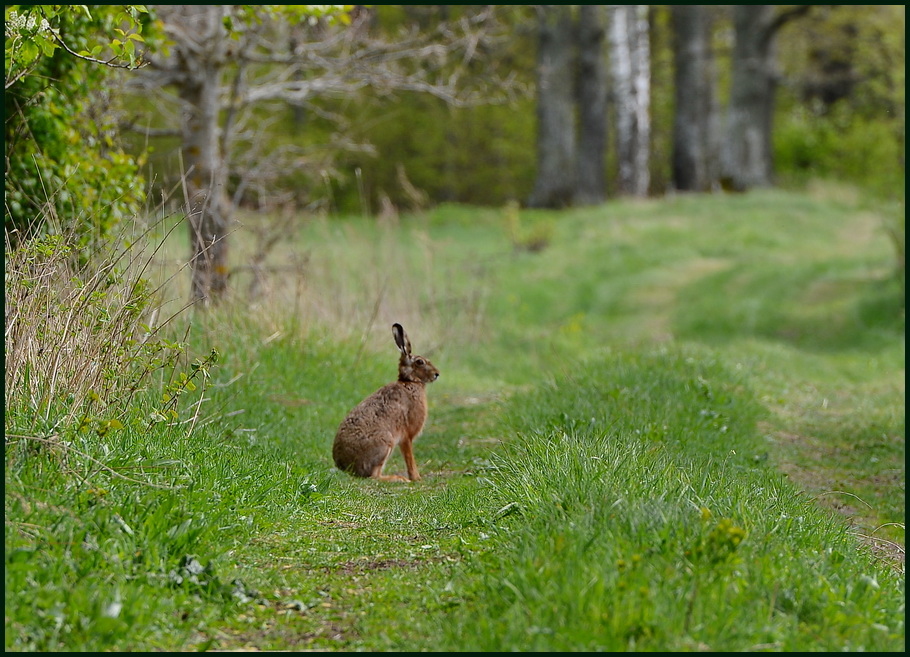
[393,415]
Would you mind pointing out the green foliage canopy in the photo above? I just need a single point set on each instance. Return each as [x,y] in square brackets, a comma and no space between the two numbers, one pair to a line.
[842,109]
[65,168]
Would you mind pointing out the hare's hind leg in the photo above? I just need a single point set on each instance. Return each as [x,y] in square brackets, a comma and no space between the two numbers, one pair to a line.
[376,472]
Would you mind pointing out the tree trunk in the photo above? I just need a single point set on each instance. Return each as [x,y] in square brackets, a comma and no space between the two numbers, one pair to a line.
[556,141]
[630,65]
[198,58]
[208,209]
[592,106]
[747,157]
[695,139]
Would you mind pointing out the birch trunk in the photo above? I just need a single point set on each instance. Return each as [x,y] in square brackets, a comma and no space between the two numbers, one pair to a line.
[631,72]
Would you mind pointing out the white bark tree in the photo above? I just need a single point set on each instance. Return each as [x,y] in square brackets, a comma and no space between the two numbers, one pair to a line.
[630,64]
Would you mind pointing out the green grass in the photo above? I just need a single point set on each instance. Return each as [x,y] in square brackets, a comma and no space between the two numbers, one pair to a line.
[661,532]
[670,429]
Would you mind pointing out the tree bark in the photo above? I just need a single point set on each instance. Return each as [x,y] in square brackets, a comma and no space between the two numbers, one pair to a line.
[207,205]
[631,72]
[556,140]
[695,138]
[592,106]
[198,57]
[747,157]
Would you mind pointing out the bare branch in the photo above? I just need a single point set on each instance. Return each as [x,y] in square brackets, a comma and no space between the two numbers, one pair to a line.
[21,74]
[225,87]
[147,131]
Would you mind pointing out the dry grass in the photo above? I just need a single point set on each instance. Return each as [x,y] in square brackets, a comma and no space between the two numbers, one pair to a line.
[352,279]
[79,331]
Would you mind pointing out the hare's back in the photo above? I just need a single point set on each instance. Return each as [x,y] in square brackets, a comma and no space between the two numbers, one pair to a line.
[397,407]
[390,402]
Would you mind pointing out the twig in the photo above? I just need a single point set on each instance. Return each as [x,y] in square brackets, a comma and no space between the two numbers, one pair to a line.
[373,316]
[843,492]
[109,62]
[21,74]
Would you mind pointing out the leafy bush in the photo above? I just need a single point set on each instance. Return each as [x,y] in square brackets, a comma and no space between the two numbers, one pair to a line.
[61,141]
[841,145]
[114,518]
[78,346]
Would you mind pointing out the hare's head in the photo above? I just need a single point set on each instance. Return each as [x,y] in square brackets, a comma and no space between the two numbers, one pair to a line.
[416,369]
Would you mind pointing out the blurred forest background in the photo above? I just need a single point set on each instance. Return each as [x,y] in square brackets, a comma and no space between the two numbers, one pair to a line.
[382,109]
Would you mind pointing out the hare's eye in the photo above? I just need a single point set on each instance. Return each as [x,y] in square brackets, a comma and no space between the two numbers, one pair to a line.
[420,362]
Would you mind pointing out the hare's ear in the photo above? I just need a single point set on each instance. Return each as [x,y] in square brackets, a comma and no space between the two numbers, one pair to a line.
[401,339]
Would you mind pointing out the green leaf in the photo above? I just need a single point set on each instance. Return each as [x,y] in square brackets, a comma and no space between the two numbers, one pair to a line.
[28,53]
[47,46]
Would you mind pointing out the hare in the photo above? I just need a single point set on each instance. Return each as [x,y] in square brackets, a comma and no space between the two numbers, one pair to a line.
[393,415]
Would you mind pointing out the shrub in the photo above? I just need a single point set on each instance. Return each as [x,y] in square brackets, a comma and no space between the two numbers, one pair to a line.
[61,147]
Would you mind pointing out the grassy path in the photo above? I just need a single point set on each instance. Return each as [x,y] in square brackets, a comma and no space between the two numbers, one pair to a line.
[611,489]
[365,564]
